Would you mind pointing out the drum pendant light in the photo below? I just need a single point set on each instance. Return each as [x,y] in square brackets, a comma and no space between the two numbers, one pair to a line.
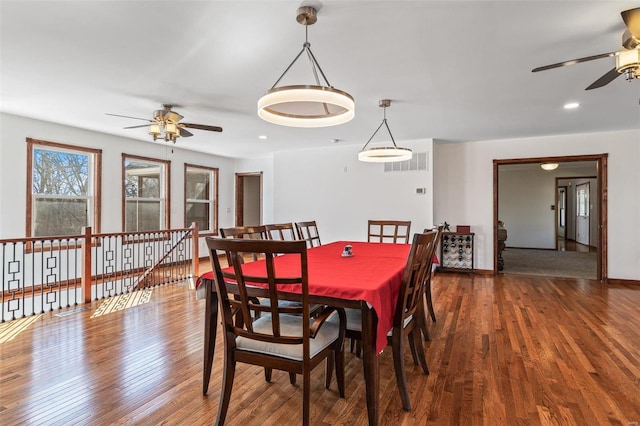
[306,105]
[386,154]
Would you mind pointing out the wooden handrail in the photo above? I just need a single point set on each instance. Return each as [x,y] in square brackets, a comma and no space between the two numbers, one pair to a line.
[70,261]
[150,270]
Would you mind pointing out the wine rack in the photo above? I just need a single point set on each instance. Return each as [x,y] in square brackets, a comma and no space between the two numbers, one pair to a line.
[456,251]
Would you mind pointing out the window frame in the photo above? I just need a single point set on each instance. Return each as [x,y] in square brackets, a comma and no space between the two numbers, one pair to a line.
[165,190]
[94,195]
[213,201]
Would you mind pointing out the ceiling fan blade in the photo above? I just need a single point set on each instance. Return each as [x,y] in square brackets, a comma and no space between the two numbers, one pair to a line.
[574,61]
[202,127]
[126,116]
[184,133]
[631,19]
[604,80]
[135,127]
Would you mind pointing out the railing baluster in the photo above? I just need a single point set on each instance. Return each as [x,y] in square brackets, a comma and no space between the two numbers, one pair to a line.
[39,274]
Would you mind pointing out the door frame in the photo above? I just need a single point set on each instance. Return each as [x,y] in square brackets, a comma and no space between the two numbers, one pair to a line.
[558,215]
[239,219]
[602,185]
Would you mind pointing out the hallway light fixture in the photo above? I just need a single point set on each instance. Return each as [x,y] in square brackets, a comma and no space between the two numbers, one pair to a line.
[306,105]
[549,166]
[386,154]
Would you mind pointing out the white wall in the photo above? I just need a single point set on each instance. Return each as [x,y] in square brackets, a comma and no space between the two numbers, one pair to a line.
[341,193]
[463,182]
[525,197]
[13,165]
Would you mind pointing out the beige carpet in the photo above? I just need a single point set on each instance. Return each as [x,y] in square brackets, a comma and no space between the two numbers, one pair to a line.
[566,264]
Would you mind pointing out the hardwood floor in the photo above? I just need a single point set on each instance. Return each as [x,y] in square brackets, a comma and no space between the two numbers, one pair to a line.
[570,245]
[505,350]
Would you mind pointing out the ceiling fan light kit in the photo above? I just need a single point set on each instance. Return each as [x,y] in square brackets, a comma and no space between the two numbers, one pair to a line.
[627,60]
[318,105]
[386,154]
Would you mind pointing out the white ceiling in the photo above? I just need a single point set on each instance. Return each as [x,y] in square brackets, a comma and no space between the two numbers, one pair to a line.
[454,70]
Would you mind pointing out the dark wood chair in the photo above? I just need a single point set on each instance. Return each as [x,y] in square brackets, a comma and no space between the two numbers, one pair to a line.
[257,232]
[308,231]
[281,232]
[409,314]
[389,231]
[284,337]
[427,282]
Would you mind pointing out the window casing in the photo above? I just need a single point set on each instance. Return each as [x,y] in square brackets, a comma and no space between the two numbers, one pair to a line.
[63,188]
[201,197]
[145,193]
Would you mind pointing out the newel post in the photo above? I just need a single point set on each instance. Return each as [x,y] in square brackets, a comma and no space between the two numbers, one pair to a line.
[195,249]
[86,263]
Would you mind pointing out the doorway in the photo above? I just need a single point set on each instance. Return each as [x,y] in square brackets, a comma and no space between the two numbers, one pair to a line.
[561,223]
[582,213]
[557,207]
[248,199]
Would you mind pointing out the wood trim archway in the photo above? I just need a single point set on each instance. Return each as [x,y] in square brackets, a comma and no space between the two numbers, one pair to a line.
[602,182]
[239,202]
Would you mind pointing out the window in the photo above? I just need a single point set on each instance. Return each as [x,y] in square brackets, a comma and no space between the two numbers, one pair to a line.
[201,197]
[63,188]
[146,193]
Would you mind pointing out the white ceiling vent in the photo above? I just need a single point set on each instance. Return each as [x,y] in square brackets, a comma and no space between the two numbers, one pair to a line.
[418,162]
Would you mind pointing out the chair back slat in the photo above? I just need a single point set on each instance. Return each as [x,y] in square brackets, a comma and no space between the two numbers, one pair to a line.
[391,231]
[281,231]
[235,276]
[308,231]
[418,264]
[256,232]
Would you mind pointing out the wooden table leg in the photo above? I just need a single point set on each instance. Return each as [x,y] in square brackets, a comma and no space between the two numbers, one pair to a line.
[210,331]
[370,363]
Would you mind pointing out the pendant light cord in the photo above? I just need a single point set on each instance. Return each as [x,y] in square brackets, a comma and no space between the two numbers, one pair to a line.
[312,60]
[384,121]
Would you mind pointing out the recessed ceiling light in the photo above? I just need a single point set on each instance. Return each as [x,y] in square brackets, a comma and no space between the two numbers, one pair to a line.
[571,105]
[262,137]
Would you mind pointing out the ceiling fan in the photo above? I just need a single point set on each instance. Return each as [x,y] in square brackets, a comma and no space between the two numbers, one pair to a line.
[166,124]
[627,59]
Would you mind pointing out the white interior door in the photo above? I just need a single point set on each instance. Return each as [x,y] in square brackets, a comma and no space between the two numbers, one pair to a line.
[562,212]
[582,213]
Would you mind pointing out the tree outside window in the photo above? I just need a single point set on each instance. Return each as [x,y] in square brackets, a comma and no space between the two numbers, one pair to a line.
[201,195]
[145,192]
[63,188]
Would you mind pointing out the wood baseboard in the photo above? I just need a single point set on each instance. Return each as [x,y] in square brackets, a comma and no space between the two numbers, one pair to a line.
[620,281]
[465,271]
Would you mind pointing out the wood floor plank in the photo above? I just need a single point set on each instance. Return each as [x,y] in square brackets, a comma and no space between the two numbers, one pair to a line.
[505,350]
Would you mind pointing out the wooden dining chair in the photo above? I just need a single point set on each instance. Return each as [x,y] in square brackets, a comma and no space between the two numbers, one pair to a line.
[256,232]
[408,316]
[427,284]
[389,231]
[308,231]
[281,231]
[284,337]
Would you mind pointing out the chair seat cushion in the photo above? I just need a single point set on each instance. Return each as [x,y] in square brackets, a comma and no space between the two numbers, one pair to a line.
[290,325]
[354,320]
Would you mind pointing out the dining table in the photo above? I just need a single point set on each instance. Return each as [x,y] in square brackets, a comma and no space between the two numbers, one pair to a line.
[369,280]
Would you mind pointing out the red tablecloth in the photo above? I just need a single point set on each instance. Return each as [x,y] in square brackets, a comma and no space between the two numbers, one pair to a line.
[373,274]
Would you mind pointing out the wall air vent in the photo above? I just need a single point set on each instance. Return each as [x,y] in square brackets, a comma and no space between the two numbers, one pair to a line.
[418,162]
